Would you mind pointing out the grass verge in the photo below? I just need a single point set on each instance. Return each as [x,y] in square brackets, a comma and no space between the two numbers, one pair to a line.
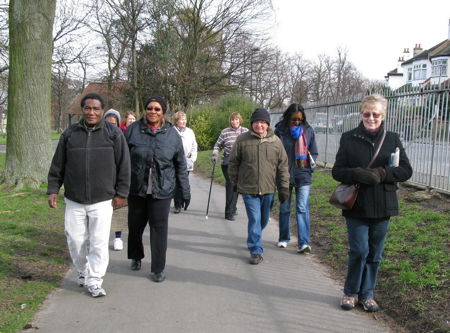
[414,280]
[33,254]
[54,135]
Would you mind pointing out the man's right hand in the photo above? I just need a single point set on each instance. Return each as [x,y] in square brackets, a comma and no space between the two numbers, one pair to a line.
[214,159]
[52,199]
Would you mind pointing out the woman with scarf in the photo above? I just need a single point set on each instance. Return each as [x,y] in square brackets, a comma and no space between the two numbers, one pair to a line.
[190,151]
[299,142]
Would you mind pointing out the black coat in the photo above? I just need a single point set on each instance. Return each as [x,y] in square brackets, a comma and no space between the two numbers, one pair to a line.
[162,150]
[94,166]
[356,150]
[298,176]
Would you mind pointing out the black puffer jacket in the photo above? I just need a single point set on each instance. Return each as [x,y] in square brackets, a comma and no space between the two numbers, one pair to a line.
[162,150]
[356,150]
[94,166]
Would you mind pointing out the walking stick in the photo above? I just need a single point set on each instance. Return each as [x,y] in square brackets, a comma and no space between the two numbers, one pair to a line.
[210,187]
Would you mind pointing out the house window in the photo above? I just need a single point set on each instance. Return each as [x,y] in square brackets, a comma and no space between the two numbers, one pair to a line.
[409,74]
[439,67]
[420,72]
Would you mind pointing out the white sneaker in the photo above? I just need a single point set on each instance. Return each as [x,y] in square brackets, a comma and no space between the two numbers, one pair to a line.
[282,245]
[96,291]
[81,280]
[118,244]
[304,249]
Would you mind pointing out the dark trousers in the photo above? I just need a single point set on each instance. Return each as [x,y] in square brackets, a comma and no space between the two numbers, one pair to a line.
[231,197]
[178,196]
[155,212]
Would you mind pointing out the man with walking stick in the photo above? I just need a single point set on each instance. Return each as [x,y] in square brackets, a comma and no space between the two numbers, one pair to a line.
[257,160]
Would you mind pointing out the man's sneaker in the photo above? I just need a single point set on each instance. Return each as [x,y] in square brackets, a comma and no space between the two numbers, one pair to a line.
[81,280]
[255,259]
[282,245]
[118,244]
[304,249]
[97,291]
[177,210]
[369,305]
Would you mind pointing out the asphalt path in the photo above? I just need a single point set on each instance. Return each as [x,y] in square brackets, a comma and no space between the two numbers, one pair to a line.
[210,286]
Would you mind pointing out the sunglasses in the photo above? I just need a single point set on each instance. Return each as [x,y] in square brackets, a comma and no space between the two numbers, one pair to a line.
[374,115]
[153,108]
[296,119]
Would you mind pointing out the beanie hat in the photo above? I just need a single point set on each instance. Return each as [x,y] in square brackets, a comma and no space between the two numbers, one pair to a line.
[260,114]
[158,99]
[113,113]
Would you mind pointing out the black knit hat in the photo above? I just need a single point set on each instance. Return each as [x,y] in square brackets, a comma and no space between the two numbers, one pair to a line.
[158,99]
[260,114]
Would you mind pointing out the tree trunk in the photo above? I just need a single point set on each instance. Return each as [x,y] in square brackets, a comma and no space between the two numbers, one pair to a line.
[29,149]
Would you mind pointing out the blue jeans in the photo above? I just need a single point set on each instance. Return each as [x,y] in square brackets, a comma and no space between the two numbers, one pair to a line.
[301,214]
[258,213]
[366,243]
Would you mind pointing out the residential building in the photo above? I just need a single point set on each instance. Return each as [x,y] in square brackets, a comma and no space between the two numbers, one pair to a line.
[425,68]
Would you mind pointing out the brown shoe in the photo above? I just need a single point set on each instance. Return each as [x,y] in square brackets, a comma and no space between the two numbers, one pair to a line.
[255,259]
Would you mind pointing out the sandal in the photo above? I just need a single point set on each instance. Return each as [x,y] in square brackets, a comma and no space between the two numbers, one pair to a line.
[348,302]
[369,305]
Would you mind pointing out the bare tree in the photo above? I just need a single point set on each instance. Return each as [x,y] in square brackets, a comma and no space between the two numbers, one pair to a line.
[69,55]
[28,149]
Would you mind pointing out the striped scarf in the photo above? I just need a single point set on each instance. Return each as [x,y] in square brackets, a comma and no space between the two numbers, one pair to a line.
[301,147]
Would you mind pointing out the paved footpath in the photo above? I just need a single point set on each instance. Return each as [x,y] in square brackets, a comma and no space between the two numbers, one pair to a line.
[210,287]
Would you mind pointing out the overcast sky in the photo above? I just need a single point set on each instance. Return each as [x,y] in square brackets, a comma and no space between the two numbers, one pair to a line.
[374,32]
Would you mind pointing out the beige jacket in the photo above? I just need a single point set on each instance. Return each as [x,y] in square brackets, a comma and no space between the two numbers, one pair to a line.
[257,163]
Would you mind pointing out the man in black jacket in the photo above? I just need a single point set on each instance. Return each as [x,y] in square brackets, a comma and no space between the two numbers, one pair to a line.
[92,161]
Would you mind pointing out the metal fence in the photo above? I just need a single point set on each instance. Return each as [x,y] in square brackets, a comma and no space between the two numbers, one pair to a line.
[420,116]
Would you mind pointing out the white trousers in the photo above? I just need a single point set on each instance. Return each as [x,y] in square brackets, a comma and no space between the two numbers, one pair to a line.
[87,228]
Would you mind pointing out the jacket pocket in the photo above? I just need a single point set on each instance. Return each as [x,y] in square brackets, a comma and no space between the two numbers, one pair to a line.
[391,200]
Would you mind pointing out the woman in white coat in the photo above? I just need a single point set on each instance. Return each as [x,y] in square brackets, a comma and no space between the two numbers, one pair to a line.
[190,151]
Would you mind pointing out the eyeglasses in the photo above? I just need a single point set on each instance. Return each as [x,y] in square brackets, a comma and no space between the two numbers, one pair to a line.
[151,108]
[374,115]
[296,119]
[95,109]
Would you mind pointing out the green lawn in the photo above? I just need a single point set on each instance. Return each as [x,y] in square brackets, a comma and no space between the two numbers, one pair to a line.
[33,253]
[414,278]
[53,134]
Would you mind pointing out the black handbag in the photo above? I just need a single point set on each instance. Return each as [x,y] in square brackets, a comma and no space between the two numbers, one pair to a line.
[344,196]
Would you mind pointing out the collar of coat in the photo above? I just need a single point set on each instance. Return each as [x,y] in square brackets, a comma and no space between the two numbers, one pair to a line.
[269,136]
[361,133]
[145,129]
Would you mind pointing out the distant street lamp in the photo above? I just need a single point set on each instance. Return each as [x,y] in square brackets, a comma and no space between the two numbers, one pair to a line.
[254,50]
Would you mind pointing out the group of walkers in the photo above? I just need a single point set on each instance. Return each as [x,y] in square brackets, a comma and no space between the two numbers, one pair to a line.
[147,164]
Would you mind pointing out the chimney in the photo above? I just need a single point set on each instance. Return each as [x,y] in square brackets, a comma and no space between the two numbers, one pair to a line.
[417,50]
[399,64]
[406,54]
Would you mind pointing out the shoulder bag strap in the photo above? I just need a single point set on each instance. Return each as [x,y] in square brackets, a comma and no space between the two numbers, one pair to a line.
[378,149]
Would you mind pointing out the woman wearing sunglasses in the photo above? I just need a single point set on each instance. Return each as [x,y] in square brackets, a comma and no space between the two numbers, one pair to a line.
[299,141]
[158,164]
[368,220]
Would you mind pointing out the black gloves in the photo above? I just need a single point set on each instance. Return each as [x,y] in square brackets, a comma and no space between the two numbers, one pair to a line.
[381,172]
[367,176]
[185,203]
[283,194]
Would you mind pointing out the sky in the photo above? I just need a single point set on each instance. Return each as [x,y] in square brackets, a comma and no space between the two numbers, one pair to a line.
[373,32]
